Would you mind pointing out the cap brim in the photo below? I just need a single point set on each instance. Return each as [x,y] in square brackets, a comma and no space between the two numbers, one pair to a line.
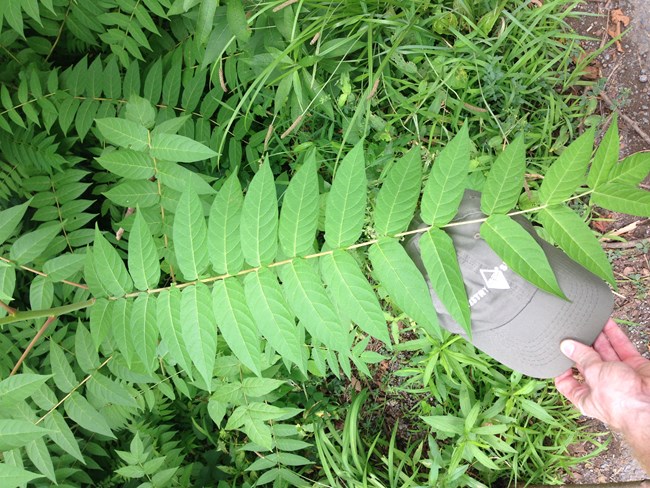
[530,342]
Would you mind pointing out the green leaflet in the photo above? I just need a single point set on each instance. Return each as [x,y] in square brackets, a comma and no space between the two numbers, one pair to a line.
[9,220]
[11,476]
[62,435]
[177,177]
[272,316]
[179,149]
[110,392]
[353,295]
[85,415]
[100,321]
[404,283]
[140,111]
[520,251]
[119,312]
[16,433]
[308,299]
[109,266]
[64,266]
[84,349]
[224,243]
[441,263]
[300,206]
[346,203]
[447,181]
[237,20]
[505,180]
[143,259]
[190,234]
[64,378]
[168,313]
[399,194]
[144,330]
[236,323]
[606,155]
[20,386]
[567,173]
[127,163]
[31,245]
[132,193]
[632,170]
[41,293]
[629,200]
[95,286]
[575,237]
[124,133]
[198,328]
[40,457]
[259,219]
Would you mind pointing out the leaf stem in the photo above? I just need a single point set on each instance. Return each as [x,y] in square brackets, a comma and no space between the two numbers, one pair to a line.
[40,273]
[83,382]
[10,311]
[31,344]
[49,312]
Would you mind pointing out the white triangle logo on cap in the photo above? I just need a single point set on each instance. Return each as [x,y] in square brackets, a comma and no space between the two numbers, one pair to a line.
[495,279]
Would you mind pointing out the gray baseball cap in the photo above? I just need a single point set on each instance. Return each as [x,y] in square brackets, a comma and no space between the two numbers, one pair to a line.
[512,320]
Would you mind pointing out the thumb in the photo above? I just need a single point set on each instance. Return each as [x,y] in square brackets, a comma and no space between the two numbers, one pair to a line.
[582,355]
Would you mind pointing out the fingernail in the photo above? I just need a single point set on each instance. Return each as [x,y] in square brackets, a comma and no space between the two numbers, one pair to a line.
[567,348]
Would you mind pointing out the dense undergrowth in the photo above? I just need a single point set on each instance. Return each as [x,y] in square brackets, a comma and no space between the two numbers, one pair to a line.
[200,212]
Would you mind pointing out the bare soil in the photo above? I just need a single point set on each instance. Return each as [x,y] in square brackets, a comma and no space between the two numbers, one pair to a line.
[625,69]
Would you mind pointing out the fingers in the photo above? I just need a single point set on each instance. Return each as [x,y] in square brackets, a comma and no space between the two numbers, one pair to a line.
[605,349]
[619,341]
[583,356]
[575,392]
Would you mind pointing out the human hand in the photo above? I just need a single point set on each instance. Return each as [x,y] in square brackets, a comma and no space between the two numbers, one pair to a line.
[616,388]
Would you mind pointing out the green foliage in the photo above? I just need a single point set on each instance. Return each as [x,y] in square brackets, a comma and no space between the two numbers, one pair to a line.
[189,199]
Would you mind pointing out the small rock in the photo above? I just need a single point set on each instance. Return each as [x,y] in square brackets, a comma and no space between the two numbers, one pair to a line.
[643,78]
[628,270]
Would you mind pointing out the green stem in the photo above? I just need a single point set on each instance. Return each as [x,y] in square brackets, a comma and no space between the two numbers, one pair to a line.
[48,312]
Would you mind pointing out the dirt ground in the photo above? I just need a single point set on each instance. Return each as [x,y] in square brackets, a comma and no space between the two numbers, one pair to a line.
[625,68]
